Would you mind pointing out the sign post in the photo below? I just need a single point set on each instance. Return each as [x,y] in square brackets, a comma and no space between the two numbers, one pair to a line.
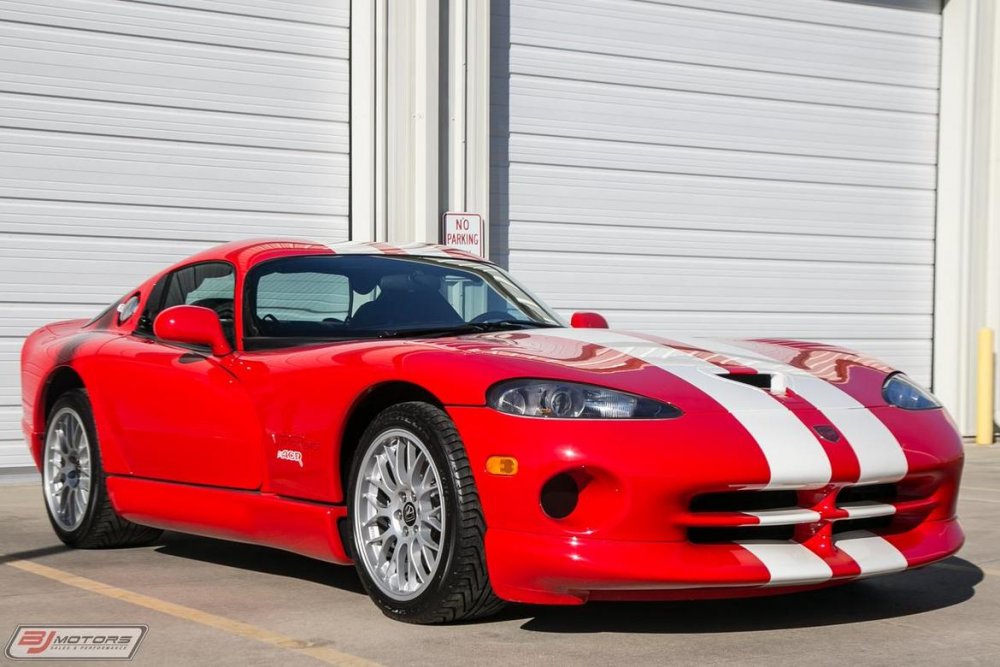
[465,232]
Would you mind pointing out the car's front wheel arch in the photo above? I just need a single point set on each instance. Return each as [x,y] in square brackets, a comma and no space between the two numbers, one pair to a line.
[365,409]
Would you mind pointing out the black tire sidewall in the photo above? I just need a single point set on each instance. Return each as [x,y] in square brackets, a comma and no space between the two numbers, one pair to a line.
[77,401]
[428,601]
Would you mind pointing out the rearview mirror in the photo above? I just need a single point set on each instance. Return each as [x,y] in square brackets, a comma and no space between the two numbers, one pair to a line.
[192,325]
[588,321]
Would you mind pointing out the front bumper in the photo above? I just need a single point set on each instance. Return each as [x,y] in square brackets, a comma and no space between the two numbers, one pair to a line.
[629,538]
[553,569]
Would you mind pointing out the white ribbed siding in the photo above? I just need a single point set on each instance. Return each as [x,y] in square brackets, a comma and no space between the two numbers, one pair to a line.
[135,133]
[761,168]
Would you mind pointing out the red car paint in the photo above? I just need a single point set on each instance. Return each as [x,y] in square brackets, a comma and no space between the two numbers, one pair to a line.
[191,442]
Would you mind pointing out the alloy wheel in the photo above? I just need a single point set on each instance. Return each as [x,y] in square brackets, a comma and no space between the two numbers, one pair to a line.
[399,520]
[67,469]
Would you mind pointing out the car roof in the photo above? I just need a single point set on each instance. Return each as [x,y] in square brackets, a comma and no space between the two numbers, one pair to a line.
[245,253]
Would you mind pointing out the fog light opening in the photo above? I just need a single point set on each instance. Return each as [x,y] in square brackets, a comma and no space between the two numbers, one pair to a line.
[560,496]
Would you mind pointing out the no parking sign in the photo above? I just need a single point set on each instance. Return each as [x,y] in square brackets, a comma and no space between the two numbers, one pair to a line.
[465,232]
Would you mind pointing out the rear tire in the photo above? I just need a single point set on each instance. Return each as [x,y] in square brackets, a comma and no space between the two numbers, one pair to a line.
[73,482]
[410,490]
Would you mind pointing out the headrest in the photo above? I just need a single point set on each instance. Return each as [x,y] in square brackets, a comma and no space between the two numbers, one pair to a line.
[363,282]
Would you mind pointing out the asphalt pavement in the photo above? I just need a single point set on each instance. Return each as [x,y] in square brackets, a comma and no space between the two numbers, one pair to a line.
[212,602]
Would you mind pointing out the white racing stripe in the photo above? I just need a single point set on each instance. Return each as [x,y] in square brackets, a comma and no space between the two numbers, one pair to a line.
[369,248]
[862,509]
[784,517]
[866,509]
[795,456]
[873,554]
[789,563]
[879,454]
[355,248]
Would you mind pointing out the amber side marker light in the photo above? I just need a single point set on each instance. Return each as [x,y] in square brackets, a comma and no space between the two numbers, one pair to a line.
[505,466]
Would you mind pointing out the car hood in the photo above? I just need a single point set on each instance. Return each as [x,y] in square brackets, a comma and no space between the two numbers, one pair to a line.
[700,373]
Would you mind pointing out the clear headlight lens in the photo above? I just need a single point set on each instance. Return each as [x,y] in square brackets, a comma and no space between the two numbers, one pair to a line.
[569,400]
[903,392]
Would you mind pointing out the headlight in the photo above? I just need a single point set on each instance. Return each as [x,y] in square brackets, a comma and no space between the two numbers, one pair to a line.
[903,392]
[569,400]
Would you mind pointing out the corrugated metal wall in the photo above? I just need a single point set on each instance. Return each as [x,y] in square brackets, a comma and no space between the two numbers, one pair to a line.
[761,168]
[133,134]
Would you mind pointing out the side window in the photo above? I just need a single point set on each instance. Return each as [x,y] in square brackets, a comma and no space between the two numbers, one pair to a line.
[212,288]
[144,326]
[210,285]
[201,285]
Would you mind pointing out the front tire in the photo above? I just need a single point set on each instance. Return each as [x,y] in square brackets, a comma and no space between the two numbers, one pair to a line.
[417,527]
[73,482]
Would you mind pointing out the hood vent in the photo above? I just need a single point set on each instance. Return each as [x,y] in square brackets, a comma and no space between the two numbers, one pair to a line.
[776,383]
[759,380]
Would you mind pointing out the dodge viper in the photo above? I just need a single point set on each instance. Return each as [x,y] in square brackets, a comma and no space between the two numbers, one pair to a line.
[418,413]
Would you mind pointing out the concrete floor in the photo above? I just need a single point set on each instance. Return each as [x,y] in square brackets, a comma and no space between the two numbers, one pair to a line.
[944,614]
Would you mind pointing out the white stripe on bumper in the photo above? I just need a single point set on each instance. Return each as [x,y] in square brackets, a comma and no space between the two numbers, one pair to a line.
[873,554]
[785,517]
[868,509]
[789,563]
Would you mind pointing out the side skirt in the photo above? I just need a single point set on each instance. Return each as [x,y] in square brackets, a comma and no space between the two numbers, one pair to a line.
[266,519]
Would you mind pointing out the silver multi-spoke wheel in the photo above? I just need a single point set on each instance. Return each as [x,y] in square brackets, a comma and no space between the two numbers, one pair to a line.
[67,469]
[399,521]
[416,525]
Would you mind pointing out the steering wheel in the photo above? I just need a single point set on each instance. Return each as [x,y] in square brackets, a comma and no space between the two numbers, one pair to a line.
[490,315]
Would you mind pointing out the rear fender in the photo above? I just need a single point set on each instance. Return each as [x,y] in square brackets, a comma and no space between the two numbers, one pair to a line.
[59,357]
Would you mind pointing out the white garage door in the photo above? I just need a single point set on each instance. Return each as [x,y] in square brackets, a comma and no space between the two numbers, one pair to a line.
[752,168]
[135,133]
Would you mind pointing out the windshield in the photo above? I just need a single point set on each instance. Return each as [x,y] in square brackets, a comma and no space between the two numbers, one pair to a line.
[313,298]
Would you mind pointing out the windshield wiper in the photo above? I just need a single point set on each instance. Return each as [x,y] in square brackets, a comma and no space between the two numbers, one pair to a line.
[467,328]
[517,324]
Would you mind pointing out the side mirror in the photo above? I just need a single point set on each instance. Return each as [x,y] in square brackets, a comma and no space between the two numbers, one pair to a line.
[588,321]
[192,325]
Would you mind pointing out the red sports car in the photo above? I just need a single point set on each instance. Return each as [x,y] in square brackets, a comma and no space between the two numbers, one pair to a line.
[417,412]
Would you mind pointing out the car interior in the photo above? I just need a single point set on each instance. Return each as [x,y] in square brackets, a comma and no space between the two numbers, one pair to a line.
[396,300]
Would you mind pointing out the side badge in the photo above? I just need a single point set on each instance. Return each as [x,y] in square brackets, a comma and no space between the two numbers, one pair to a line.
[290,455]
[827,432]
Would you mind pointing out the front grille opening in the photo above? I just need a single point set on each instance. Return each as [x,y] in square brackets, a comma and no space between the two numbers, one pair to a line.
[883,493]
[759,380]
[743,501]
[716,535]
[878,525]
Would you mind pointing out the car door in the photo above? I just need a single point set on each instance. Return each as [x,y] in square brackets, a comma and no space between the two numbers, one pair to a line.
[179,413]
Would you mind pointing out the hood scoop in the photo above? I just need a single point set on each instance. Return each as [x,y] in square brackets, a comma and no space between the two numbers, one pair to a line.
[776,383]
